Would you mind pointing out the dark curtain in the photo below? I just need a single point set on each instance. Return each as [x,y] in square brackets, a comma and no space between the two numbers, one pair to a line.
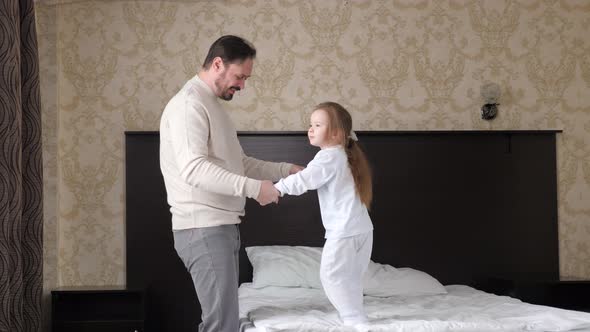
[21,177]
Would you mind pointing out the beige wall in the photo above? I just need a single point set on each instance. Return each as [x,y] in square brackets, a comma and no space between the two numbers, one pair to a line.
[111,66]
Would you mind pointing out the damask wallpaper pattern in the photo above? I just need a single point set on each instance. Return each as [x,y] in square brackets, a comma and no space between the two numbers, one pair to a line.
[111,66]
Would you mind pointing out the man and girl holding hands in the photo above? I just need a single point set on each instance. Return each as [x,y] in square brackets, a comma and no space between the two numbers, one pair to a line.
[208,178]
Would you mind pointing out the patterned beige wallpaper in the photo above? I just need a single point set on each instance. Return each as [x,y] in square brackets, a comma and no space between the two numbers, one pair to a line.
[111,66]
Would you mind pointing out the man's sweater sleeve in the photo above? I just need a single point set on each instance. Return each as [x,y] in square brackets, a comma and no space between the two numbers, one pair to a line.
[265,170]
[189,130]
[318,172]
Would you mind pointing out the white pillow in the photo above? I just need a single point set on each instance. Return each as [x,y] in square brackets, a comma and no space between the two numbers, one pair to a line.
[287,266]
[385,280]
[298,266]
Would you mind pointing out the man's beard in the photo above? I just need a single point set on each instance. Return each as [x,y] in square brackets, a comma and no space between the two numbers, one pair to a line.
[228,96]
[225,95]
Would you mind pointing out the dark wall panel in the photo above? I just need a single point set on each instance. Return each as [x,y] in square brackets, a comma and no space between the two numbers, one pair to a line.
[458,205]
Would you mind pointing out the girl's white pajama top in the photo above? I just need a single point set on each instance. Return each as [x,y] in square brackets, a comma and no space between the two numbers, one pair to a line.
[343,213]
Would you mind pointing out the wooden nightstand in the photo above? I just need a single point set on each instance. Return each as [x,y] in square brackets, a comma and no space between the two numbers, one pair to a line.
[566,294]
[94,309]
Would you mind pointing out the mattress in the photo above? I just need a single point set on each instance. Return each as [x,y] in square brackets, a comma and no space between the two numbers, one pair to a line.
[463,308]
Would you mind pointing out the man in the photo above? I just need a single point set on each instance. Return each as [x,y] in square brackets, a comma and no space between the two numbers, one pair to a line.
[208,178]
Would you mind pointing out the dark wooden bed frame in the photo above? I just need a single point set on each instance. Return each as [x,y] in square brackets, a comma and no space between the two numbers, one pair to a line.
[459,205]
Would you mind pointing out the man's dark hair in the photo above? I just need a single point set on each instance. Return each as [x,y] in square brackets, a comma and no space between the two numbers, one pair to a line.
[231,49]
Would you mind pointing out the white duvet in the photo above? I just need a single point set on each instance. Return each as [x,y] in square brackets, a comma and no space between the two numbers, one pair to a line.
[273,309]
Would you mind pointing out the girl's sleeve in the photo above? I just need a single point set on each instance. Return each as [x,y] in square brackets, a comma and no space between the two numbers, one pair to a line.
[317,173]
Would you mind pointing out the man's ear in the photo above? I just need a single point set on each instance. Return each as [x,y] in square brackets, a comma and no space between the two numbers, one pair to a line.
[217,64]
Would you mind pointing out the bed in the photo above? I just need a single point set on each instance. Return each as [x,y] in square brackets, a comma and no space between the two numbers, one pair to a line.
[462,309]
[286,295]
[457,206]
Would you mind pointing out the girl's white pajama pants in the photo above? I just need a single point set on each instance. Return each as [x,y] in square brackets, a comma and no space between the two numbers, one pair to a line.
[344,262]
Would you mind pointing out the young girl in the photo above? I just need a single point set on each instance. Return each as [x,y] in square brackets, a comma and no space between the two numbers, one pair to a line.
[340,172]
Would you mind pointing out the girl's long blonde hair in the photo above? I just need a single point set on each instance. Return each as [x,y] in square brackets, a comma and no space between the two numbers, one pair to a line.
[341,126]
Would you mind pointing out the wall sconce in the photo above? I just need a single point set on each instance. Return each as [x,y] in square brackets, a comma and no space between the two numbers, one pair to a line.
[490,92]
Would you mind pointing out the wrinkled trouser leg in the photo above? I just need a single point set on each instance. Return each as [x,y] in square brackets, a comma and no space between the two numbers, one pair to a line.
[210,254]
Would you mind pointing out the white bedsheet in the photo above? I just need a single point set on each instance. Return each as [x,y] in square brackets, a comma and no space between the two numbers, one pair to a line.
[273,309]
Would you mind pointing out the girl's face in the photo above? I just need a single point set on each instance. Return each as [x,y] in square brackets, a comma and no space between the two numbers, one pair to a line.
[318,130]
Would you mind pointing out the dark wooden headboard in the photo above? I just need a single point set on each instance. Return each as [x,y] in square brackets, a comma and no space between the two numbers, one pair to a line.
[459,205]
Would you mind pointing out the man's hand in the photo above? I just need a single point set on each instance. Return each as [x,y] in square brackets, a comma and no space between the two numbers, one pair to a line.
[268,193]
[295,168]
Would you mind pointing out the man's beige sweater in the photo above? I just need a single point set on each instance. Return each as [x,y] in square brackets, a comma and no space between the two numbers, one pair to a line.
[206,173]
